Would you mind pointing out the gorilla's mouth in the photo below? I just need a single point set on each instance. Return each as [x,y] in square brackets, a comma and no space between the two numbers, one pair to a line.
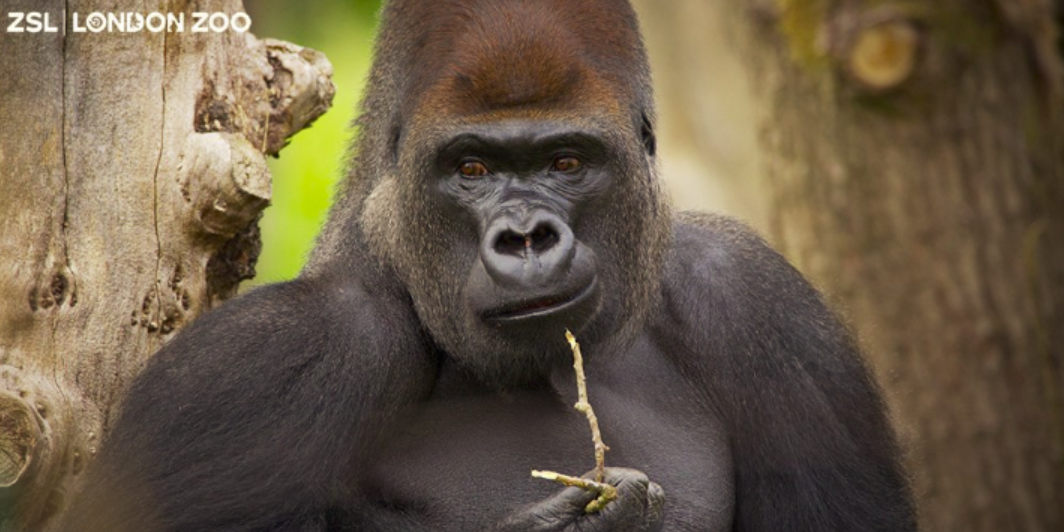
[541,306]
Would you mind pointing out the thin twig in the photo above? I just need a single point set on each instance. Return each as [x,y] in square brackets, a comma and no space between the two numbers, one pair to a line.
[584,406]
[606,492]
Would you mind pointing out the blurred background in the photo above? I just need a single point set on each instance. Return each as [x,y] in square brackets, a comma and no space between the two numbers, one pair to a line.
[907,157]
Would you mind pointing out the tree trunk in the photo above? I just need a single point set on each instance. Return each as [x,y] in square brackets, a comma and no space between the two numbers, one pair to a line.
[132,175]
[915,156]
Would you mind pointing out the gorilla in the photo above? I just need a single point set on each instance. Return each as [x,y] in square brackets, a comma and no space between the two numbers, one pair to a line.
[503,190]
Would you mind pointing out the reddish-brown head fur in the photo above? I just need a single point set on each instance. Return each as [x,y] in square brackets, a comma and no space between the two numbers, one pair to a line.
[485,56]
[527,58]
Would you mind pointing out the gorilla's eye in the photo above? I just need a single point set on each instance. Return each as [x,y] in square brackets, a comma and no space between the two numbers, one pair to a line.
[473,169]
[566,165]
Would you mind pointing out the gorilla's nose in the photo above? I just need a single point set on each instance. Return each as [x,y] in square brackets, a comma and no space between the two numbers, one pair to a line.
[531,253]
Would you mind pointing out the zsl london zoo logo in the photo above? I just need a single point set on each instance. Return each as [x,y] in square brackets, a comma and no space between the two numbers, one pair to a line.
[127,22]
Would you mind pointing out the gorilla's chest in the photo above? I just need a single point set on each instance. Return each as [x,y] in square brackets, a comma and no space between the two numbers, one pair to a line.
[463,463]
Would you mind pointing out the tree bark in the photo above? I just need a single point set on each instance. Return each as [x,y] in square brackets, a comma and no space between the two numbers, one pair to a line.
[132,176]
[915,156]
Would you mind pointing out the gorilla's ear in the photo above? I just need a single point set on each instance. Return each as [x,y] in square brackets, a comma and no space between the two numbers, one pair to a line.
[650,142]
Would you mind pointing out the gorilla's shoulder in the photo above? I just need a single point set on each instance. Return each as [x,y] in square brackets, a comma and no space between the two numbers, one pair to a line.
[278,318]
[275,305]
[718,269]
[714,244]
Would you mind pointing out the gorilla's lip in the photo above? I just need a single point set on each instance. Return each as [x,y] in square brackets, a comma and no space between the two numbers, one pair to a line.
[541,306]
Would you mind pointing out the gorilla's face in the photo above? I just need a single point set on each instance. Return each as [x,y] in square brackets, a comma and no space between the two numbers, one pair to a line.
[521,228]
[524,186]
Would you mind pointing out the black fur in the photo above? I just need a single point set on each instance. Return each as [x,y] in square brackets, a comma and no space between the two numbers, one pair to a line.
[405,381]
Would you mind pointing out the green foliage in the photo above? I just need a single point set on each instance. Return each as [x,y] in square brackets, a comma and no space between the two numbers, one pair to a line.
[305,175]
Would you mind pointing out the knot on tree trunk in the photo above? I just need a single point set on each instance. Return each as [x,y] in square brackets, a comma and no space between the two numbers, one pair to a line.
[36,450]
[19,435]
[882,54]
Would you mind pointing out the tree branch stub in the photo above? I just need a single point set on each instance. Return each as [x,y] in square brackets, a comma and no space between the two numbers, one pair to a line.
[882,54]
[301,90]
[228,181]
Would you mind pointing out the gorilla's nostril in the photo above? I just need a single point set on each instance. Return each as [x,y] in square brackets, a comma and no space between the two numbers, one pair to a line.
[543,238]
[511,243]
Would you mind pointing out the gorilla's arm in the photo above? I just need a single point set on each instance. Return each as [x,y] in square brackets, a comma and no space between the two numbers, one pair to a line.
[812,445]
[254,418]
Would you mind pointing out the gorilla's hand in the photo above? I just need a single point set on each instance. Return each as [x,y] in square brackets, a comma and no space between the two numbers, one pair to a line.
[639,507]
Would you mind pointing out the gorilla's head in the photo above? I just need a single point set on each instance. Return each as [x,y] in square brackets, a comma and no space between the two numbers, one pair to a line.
[505,173]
